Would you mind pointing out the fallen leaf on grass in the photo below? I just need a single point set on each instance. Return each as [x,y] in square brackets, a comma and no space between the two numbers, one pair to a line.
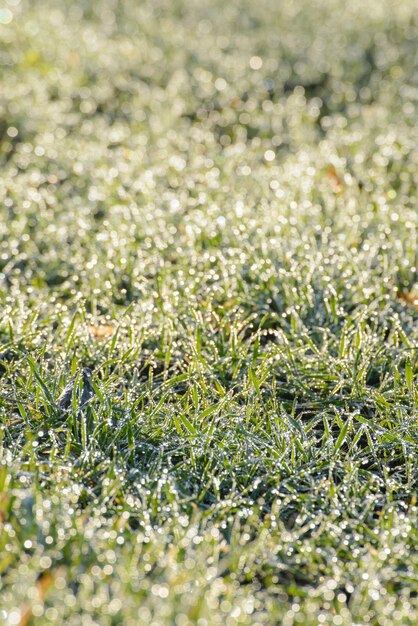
[235,102]
[334,180]
[44,582]
[101,332]
[408,297]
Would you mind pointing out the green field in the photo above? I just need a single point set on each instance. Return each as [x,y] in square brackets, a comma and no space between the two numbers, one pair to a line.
[214,206]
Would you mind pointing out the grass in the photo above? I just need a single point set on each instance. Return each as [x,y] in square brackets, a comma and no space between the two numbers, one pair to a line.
[214,207]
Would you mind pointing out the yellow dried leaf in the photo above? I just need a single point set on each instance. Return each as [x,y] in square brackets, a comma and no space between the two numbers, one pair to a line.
[101,332]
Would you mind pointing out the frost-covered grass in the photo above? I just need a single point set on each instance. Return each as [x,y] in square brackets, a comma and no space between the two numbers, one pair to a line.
[214,206]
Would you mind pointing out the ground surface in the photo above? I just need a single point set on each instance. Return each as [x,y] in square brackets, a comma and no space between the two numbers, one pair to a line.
[214,206]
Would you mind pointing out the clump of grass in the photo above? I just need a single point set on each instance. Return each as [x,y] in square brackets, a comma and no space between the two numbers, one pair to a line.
[212,207]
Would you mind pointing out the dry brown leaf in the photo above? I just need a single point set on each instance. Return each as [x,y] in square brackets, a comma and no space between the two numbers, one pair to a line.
[44,582]
[4,500]
[235,102]
[73,58]
[334,180]
[101,332]
[408,297]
